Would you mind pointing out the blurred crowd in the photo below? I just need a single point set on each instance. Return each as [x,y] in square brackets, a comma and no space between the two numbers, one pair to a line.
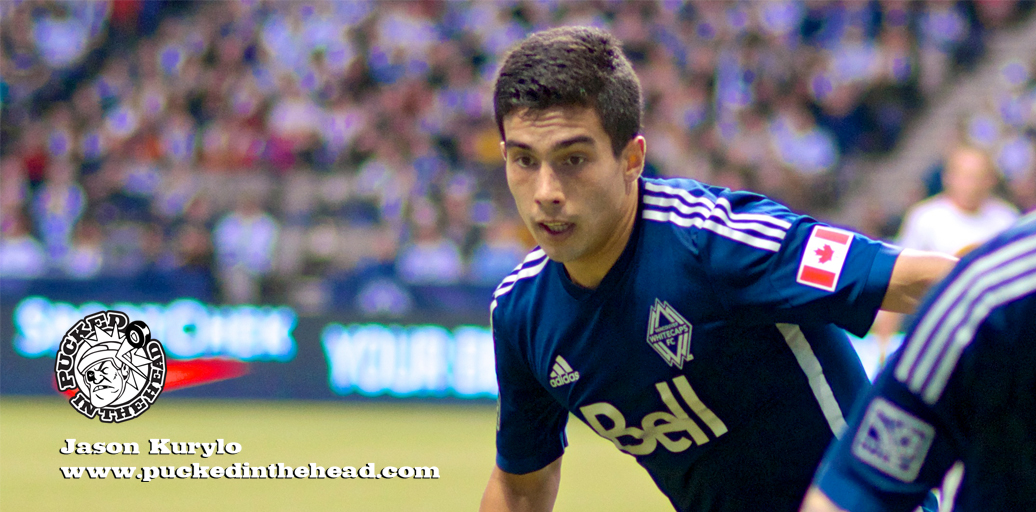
[999,137]
[1004,128]
[341,154]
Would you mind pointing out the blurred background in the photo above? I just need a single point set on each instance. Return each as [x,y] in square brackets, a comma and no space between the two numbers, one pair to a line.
[305,200]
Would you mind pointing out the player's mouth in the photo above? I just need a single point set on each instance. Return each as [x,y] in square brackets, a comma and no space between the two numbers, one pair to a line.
[102,387]
[556,229]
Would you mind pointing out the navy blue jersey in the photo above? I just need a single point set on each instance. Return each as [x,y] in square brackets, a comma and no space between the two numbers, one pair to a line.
[963,387]
[711,351]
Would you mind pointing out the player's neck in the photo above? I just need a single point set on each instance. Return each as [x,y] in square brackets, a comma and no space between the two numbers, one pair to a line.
[589,272]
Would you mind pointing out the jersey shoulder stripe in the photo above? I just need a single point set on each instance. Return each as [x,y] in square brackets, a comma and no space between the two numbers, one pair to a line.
[691,200]
[531,259]
[989,281]
[719,211]
[533,264]
[663,203]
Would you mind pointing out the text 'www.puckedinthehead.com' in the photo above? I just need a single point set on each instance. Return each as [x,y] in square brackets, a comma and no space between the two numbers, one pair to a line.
[233,471]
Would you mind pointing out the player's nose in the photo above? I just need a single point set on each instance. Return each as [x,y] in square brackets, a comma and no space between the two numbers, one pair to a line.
[548,193]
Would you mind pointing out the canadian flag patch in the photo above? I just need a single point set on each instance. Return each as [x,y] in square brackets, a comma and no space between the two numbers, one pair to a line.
[825,254]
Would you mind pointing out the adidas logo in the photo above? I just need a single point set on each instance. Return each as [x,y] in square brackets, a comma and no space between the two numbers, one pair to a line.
[562,373]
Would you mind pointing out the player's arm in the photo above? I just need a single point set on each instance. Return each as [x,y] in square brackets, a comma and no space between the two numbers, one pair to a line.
[530,434]
[912,275]
[535,491]
[817,501]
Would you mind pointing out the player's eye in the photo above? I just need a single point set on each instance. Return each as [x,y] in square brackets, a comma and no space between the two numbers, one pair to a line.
[524,161]
[90,376]
[575,160]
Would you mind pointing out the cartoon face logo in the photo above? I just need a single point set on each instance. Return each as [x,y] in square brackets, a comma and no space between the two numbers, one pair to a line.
[105,383]
[115,365]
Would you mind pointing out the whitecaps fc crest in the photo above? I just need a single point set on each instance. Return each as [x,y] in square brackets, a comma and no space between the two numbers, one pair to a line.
[671,338]
[116,367]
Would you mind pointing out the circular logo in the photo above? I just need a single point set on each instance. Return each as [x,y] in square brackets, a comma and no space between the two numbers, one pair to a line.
[114,365]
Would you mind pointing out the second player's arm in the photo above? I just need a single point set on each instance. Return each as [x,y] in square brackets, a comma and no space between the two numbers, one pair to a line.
[531,492]
[817,501]
[912,275]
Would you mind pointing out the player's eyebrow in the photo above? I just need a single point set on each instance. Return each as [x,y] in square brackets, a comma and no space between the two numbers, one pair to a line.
[579,139]
[510,144]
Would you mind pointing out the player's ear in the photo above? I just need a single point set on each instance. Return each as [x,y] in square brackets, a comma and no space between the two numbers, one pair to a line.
[633,158]
[503,151]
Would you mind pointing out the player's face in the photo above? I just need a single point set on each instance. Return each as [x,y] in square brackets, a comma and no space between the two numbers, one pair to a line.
[106,383]
[576,197]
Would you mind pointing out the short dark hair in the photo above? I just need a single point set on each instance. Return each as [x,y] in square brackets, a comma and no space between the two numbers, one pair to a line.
[572,67]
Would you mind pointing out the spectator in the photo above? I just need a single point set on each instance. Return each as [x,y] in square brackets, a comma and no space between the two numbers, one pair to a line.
[194,261]
[21,256]
[14,188]
[943,27]
[244,242]
[801,145]
[63,33]
[57,207]
[431,258]
[379,292]
[85,257]
[965,214]
[179,187]
[498,253]
[457,209]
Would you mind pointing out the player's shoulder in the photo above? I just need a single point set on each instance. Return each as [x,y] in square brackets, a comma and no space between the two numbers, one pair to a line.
[516,289]
[673,185]
[691,207]
[719,200]
[684,187]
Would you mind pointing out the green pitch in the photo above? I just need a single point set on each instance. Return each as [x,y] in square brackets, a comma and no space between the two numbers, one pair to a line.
[456,439]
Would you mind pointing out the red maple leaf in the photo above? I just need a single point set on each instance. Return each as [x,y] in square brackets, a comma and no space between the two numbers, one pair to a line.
[825,253]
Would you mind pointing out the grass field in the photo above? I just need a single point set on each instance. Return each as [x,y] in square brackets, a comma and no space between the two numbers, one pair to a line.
[457,439]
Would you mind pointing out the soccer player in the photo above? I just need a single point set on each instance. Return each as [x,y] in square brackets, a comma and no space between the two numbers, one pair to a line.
[692,326]
[963,388]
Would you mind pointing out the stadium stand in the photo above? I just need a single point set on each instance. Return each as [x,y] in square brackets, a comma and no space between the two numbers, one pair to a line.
[343,156]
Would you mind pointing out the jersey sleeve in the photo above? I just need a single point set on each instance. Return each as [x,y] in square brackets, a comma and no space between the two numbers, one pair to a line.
[952,392]
[530,431]
[770,265]
[895,450]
